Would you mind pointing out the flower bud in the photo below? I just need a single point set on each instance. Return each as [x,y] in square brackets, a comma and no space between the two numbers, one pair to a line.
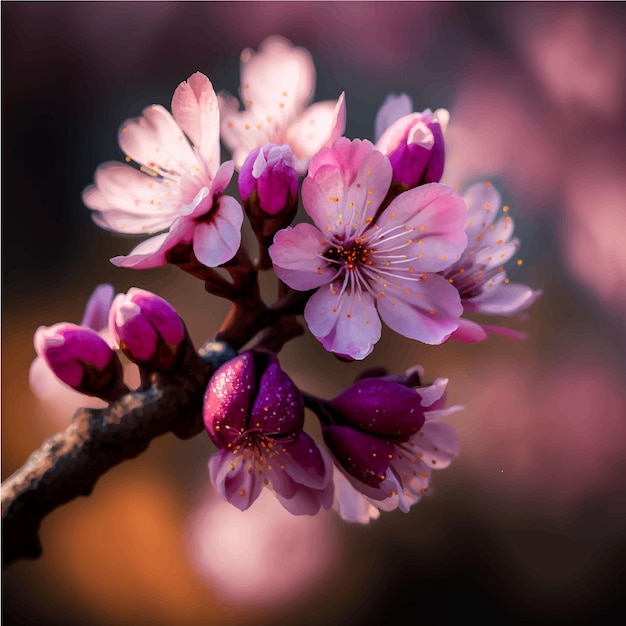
[251,394]
[268,181]
[81,358]
[415,147]
[380,407]
[148,330]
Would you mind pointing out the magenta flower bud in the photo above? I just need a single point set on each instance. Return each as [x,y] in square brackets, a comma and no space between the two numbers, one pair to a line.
[254,414]
[250,393]
[268,181]
[415,147]
[386,439]
[148,329]
[380,407]
[80,357]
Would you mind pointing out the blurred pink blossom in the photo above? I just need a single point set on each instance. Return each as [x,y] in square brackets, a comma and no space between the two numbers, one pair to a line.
[277,84]
[263,557]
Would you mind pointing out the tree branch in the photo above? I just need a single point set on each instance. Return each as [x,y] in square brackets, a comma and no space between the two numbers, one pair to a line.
[70,463]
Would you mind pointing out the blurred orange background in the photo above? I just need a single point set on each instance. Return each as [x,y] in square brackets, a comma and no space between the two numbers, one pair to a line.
[529,524]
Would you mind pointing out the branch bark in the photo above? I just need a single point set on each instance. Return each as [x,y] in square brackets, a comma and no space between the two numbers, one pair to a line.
[70,463]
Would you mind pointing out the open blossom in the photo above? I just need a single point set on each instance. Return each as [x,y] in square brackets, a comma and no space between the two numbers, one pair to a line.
[255,415]
[179,186]
[413,142]
[368,263]
[479,274]
[277,84]
[386,439]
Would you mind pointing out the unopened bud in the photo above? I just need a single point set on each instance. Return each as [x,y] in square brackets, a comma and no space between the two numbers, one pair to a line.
[148,330]
[81,358]
[415,147]
[268,181]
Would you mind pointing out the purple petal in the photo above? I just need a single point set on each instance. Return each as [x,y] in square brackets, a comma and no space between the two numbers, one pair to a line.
[306,462]
[363,456]
[381,407]
[227,400]
[278,408]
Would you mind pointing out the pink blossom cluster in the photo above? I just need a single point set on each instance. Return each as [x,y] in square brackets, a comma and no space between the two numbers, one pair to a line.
[381,241]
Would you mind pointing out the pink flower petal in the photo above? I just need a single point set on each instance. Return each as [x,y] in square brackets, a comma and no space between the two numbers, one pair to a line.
[278,74]
[320,125]
[347,325]
[218,240]
[96,314]
[148,254]
[505,300]
[322,198]
[157,142]
[350,504]
[469,332]
[123,188]
[428,311]
[483,204]
[296,256]
[438,442]
[240,130]
[195,109]
[393,108]
[498,233]
[307,501]
[306,462]
[229,474]
[432,216]
[340,210]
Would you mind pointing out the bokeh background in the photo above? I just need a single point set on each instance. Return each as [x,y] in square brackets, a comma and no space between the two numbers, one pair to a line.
[529,524]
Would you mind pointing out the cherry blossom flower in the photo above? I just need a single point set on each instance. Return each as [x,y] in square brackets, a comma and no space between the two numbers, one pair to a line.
[179,186]
[386,439]
[366,262]
[412,141]
[255,415]
[277,84]
[479,274]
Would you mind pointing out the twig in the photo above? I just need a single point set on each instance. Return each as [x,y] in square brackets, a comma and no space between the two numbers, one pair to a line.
[70,463]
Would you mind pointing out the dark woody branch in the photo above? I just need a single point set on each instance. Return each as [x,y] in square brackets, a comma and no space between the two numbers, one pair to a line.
[70,463]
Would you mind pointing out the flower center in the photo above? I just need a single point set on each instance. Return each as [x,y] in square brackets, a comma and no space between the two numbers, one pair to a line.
[351,255]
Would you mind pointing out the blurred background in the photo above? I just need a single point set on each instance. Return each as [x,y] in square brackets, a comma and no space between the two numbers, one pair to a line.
[529,524]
